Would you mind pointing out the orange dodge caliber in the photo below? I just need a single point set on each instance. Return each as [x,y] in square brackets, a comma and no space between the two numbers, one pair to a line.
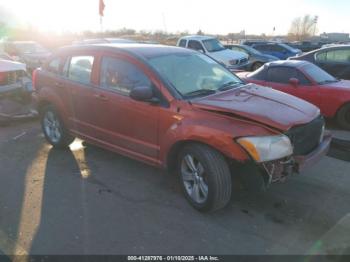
[178,109]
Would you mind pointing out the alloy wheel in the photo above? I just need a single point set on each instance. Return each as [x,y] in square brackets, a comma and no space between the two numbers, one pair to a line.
[194,179]
[52,127]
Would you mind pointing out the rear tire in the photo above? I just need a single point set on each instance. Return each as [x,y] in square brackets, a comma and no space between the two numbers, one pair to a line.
[205,177]
[53,128]
[343,116]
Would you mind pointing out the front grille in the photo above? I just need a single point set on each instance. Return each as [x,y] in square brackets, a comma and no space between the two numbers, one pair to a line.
[305,138]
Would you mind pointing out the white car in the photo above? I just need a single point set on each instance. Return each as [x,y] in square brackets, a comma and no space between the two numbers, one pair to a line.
[212,47]
[15,92]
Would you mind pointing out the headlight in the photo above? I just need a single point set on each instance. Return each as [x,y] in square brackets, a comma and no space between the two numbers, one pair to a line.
[267,148]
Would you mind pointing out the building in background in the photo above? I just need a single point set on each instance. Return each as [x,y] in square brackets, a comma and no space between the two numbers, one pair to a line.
[336,37]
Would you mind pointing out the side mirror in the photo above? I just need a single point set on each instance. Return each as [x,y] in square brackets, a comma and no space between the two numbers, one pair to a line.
[294,82]
[143,93]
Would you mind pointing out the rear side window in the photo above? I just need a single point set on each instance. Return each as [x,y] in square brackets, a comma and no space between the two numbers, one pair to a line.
[54,65]
[338,56]
[121,76]
[80,68]
[182,43]
[283,74]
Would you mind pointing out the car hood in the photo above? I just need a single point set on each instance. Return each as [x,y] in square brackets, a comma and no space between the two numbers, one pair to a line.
[7,66]
[226,55]
[260,104]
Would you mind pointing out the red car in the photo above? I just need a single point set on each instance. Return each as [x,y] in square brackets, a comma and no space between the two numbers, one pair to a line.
[309,82]
[178,109]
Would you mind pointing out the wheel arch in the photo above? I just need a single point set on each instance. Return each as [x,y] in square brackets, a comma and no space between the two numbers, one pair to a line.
[175,149]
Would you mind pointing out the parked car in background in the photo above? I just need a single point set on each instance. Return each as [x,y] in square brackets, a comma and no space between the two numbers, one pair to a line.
[212,47]
[280,50]
[178,109]
[309,82]
[334,59]
[251,42]
[103,41]
[28,52]
[304,46]
[256,58]
[5,56]
[15,92]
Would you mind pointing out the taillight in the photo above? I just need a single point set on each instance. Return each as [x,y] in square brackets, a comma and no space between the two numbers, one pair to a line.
[34,75]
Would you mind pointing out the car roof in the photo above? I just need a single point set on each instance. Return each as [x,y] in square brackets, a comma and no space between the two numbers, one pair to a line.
[333,47]
[197,37]
[141,50]
[102,40]
[288,63]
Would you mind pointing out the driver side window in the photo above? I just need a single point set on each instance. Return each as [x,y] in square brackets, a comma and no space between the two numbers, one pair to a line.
[121,76]
[195,45]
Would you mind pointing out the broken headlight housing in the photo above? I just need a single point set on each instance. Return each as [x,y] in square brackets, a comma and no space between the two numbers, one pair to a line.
[267,148]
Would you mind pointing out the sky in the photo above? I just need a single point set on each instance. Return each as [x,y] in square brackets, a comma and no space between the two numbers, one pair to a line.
[212,17]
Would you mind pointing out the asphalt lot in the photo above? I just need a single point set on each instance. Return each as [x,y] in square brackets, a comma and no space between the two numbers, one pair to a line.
[90,201]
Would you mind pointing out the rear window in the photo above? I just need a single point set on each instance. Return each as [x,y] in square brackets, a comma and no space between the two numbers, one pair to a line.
[80,68]
[259,74]
[283,74]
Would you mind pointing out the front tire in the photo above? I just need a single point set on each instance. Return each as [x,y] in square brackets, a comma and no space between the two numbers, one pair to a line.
[343,116]
[205,177]
[53,128]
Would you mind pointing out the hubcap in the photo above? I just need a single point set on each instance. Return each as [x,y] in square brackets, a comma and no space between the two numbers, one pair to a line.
[52,127]
[194,179]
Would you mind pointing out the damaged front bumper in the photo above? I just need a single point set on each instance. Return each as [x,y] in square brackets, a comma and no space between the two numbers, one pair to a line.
[279,170]
[15,102]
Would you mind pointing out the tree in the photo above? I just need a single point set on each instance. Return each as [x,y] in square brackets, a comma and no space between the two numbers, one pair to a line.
[303,27]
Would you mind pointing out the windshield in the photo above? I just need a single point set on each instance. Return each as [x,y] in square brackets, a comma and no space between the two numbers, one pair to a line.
[194,74]
[213,45]
[289,47]
[30,48]
[319,75]
[252,50]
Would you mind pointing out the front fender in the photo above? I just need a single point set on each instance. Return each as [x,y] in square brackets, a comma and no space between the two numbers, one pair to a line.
[217,134]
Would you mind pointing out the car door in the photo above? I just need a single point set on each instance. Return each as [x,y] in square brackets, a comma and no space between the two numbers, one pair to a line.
[278,77]
[126,124]
[77,73]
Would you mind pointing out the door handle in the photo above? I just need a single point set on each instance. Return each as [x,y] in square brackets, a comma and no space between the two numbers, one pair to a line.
[101,97]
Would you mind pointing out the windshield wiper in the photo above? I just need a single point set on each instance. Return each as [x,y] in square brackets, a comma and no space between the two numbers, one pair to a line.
[200,92]
[229,85]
